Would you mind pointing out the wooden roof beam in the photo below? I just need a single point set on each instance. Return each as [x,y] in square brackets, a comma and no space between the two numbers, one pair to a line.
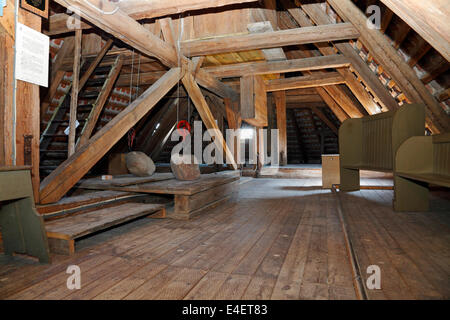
[207,117]
[142,9]
[342,112]
[63,178]
[340,31]
[270,67]
[145,9]
[395,65]
[319,16]
[428,18]
[332,104]
[123,27]
[309,81]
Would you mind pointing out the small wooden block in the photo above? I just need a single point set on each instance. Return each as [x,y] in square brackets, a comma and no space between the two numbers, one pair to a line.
[161,214]
[61,246]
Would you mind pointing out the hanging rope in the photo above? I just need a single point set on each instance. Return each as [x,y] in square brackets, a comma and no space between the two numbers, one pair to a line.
[131,132]
[131,77]
[187,93]
[180,27]
[138,77]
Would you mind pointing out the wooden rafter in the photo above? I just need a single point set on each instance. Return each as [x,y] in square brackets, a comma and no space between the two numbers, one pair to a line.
[318,16]
[348,109]
[342,31]
[309,81]
[125,28]
[270,67]
[394,64]
[205,113]
[145,9]
[333,105]
[427,18]
[142,9]
[54,186]
[343,99]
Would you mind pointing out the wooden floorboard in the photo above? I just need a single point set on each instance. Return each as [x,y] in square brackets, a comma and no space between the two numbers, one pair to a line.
[279,239]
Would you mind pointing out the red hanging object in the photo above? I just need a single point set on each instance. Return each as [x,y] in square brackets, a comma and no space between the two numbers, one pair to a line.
[131,136]
[184,128]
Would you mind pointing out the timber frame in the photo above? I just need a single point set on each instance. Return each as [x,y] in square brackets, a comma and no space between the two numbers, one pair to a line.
[283,47]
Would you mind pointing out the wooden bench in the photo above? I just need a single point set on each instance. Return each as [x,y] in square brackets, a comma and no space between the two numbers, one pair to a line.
[190,197]
[371,142]
[63,232]
[21,226]
[420,161]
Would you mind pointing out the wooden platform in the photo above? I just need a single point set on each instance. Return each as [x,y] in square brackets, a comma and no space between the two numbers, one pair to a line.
[122,181]
[62,233]
[86,200]
[191,197]
[281,239]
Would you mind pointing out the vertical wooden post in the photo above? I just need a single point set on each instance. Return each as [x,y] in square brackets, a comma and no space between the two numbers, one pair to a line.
[74,97]
[205,113]
[260,149]
[280,103]
[6,98]
[27,114]
[234,121]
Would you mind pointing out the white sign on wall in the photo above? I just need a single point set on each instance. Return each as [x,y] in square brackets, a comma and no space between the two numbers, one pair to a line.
[32,55]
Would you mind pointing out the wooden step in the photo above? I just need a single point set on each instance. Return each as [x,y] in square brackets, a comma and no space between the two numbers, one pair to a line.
[92,200]
[62,233]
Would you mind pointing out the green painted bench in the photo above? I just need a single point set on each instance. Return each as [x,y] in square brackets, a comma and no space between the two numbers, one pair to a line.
[420,161]
[371,142]
[22,227]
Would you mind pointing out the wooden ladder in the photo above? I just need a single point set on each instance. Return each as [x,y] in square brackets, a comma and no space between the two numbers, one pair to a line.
[53,141]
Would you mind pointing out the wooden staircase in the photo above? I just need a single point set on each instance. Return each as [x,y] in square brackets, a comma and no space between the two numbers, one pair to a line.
[62,233]
[308,137]
[91,99]
[74,217]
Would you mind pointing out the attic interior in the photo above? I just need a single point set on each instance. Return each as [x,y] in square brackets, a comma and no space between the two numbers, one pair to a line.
[332,185]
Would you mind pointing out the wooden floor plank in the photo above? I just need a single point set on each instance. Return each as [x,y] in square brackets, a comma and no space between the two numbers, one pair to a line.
[279,239]
[233,287]
[207,287]
[131,282]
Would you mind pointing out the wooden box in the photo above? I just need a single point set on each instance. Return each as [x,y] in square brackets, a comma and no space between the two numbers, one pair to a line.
[330,170]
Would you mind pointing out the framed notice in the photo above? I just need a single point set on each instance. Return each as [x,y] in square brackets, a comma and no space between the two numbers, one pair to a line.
[39,7]
[32,55]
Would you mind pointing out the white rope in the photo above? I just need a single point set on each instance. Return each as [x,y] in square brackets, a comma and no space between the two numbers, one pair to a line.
[138,77]
[179,64]
[187,92]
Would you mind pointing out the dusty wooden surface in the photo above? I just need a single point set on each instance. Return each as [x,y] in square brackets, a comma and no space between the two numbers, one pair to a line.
[171,186]
[282,240]
[123,180]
